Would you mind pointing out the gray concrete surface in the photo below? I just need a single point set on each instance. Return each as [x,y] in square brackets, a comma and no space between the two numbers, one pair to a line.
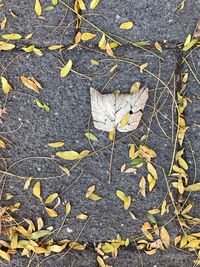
[70,115]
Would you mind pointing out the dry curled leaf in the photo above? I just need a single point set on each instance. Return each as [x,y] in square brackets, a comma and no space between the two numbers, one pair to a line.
[109,110]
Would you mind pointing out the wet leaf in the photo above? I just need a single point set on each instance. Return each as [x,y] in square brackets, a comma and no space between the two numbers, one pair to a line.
[51,198]
[87,36]
[66,69]
[91,136]
[5,85]
[38,8]
[68,208]
[38,234]
[51,212]
[11,36]
[165,237]
[126,25]
[93,4]
[56,144]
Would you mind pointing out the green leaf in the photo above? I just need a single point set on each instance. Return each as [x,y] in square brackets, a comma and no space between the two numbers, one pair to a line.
[137,161]
[39,234]
[91,136]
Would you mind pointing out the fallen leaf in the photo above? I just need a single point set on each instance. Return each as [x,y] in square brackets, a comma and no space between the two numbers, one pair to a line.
[193,187]
[40,223]
[197,31]
[38,8]
[101,262]
[143,66]
[77,246]
[142,185]
[102,42]
[90,190]
[66,69]
[126,25]
[87,36]
[55,47]
[68,208]
[38,234]
[93,4]
[3,23]
[68,155]
[108,110]
[12,36]
[158,47]
[4,46]
[29,83]
[51,212]
[135,88]
[91,136]
[2,144]
[189,43]
[56,144]
[152,170]
[5,85]
[81,216]
[4,255]
[65,169]
[51,198]
[37,190]
[94,197]
[165,237]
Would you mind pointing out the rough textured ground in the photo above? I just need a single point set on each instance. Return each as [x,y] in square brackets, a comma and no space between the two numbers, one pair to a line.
[30,129]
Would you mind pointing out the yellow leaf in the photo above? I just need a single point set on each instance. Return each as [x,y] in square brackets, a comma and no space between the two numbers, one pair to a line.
[4,255]
[27,183]
[135,87]
[158,46]
[38,234]
[165,237]
[183,163]
[84,153]
[151,252]
[68,155]
[153,211]
[90,190]
[123,167]
[5,85]
[51,198]
[56,248]
[146,152]
[152,170]
[6,46]
[37,51]
[180,186]
[107,248]
[193,187]
[54,2]
[143,66]
[177,240]
[102,43]
[55,47]
[94,197]
[66,69]
[40,223]
[127,203]
[151,181]
[9,196]
[132,216]
[142,185]
[28,36]
[94,62]
[3,23]
[126,25]
[163,208]
[14,241]
[12,36]
[65,169]
[56,144]
[121,195]
[87,36]
[187,209]
[77,246]
[37,190]
[38,8]
[68,208]
[91,136]
[125,119]
[2,144]
[93,4]
[145,229]
[29,84]
[51,212]
[111,135]
[101,262]
[81,4]
[81,216]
